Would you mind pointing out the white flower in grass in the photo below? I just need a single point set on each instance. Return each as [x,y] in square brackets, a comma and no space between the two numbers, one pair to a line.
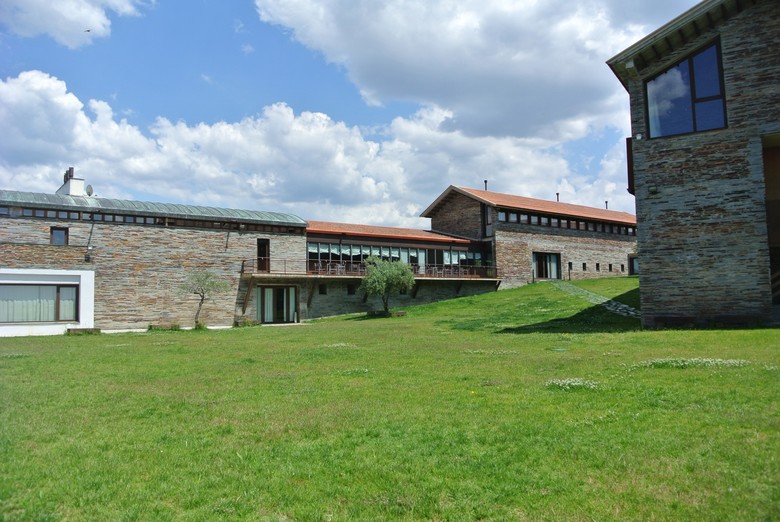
[573,383]
[695,362]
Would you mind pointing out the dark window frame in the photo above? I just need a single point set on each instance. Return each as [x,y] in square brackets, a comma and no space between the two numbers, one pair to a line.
[53,238]
[692,98]
[57,303]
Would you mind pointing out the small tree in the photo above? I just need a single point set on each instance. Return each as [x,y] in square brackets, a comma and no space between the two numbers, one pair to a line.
[384,278]
[204,284]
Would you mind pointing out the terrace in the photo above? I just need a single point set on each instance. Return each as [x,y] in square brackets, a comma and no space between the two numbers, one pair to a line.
[296,267]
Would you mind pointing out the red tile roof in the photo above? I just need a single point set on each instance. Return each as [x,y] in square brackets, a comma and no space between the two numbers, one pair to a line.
[325,227]
[508,201]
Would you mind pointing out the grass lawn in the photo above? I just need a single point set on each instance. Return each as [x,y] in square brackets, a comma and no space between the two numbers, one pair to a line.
[526,404]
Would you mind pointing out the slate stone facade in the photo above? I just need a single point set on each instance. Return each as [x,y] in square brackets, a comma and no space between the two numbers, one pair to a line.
[582,255]
[702,197]
[512,245]
[139,269]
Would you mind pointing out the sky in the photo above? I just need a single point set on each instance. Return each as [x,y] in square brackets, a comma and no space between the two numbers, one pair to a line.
[354,111]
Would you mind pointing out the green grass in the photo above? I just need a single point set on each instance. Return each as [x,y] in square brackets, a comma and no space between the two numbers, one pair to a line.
[527,404]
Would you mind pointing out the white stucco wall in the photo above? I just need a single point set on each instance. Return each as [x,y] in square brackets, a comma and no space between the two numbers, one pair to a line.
[85,279]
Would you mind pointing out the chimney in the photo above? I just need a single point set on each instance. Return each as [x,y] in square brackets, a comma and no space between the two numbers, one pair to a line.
[485,184]
[71,185]
[557,196]
[606,205]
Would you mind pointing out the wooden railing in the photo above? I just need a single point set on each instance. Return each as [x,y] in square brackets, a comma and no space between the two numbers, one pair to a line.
[349,269]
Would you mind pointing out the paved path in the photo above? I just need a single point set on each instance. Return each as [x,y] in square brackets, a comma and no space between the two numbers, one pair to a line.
[609,304]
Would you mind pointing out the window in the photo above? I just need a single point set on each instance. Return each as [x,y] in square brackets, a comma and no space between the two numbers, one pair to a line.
[501,215]
[688,97]
[59,236]
[598,267]
[584,267]
[38,303]
[513,217]
[610,267]
[547,266]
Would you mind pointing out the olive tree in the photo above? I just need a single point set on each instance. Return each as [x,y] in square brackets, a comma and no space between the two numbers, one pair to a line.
[205,285]
[384,278]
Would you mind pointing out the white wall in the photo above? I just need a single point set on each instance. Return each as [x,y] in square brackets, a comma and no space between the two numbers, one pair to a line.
[84,278]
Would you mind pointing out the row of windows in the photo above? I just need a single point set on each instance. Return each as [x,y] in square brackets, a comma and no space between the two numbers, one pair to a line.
[334,252]
[38,303]
[544,220]
[141,220]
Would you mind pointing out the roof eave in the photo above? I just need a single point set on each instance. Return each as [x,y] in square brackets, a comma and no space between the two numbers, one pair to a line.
[621,64]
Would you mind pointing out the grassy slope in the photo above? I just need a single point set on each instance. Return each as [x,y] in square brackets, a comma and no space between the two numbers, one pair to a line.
[442,414]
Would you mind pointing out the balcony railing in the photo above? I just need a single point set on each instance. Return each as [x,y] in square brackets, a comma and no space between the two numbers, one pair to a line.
[349,269]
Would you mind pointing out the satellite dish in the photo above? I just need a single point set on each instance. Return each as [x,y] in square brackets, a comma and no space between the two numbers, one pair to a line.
[89,190]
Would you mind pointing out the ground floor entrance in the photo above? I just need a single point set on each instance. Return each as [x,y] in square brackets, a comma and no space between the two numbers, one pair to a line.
[546,265]
[277,304]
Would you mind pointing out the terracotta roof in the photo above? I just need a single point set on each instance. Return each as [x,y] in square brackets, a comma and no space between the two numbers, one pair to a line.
[508,201]
[325,227]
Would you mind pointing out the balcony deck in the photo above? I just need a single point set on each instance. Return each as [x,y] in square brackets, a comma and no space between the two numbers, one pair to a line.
[258,267]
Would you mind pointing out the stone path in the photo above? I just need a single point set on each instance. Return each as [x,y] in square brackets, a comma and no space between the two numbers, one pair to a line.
[609,304]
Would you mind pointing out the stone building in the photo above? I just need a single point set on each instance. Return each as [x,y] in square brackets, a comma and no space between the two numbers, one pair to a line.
[71,260]
[704,163]
[529,239]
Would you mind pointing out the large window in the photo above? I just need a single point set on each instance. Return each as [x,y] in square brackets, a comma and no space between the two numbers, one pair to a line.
[38,303]
[688,97]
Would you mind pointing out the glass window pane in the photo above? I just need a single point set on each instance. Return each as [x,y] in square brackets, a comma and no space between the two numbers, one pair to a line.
[706,74]
[669,102]
[67,303]
[709,115]
[26,303]
[59,236]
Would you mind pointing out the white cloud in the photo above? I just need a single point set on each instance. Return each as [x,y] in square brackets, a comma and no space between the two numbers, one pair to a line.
[306,163]
[72,23]
[501,67]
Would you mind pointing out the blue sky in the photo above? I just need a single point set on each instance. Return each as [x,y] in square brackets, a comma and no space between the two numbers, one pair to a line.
[354,111]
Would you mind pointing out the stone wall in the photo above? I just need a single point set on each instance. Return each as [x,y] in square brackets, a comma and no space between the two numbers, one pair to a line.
[460,216]
[701,197]
[515,245]
[139,269]
[338,300]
